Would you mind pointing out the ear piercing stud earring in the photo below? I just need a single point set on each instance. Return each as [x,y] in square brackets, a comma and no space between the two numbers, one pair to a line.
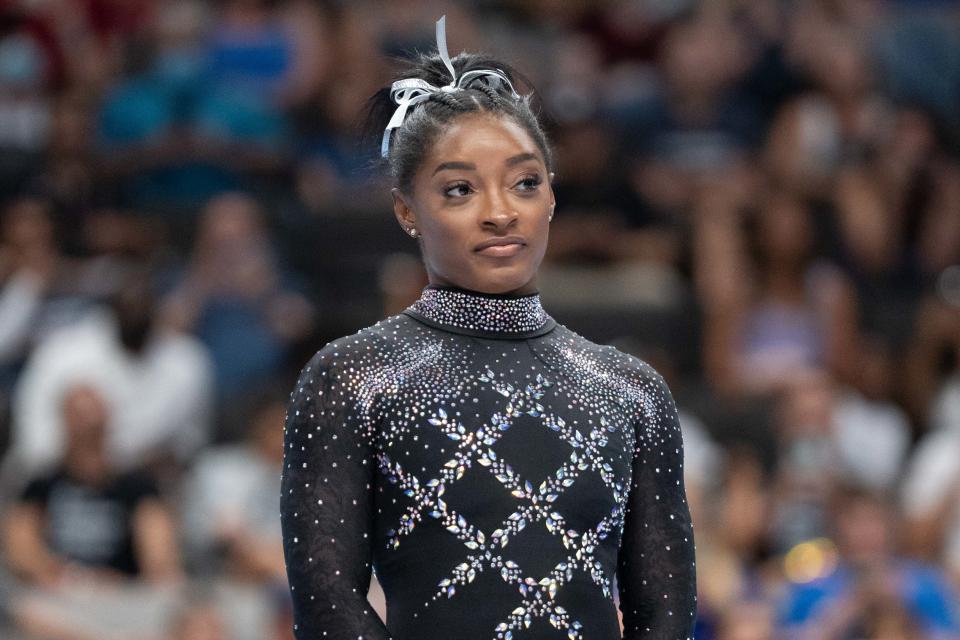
[412,232]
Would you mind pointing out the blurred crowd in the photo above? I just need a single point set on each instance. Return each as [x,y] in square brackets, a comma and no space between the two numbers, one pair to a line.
[759,197]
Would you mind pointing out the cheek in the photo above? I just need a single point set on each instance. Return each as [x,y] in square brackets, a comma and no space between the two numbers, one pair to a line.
[444,239]
[540,226]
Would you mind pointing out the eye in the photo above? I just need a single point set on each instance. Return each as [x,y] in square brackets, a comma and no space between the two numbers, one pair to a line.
[458,190]
[529,183]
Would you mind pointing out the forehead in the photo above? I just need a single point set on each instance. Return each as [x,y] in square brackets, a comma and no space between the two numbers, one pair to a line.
[481,138]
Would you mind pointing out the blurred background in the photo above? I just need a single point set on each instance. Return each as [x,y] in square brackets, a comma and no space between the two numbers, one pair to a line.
[760,197]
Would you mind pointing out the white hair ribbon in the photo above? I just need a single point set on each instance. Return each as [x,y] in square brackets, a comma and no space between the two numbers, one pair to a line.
[410,91]
[442,46]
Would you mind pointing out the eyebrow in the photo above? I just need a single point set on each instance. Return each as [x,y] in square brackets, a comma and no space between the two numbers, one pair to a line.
[520,157]
[466,166]
[469,166]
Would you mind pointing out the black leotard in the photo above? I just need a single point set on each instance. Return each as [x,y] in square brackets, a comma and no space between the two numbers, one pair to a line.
[504,477]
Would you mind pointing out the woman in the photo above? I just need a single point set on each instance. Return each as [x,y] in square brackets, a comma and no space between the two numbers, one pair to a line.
[494,468]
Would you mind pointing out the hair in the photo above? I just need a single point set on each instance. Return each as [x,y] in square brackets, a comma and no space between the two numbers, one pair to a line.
[426,120]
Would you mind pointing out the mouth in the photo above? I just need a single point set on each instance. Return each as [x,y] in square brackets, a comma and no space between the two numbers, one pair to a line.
[502,247]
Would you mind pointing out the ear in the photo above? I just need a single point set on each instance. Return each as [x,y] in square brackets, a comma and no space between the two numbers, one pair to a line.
[402,210]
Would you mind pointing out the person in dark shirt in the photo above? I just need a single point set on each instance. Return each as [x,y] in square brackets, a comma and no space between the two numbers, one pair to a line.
[83,519]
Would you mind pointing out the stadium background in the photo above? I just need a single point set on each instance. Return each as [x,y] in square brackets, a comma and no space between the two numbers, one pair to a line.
[761,198]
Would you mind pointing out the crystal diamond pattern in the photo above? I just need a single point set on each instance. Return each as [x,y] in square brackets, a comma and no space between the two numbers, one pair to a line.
[477,447]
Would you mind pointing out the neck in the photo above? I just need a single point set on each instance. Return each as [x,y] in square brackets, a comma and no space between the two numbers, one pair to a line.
[526,289]
[87,465]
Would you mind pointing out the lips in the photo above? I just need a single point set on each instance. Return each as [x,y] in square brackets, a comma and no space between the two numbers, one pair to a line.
[501,246]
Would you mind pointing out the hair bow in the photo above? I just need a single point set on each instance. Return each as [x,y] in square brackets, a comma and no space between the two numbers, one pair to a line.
[410,91]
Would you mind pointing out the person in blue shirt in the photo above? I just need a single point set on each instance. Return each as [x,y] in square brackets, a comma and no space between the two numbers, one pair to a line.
[873,591]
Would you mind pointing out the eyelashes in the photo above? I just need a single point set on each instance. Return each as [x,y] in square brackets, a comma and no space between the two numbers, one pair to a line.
[461,186]
[533,181]
[461,189]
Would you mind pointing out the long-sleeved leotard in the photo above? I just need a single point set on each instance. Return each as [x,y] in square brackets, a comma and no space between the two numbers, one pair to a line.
[501,474]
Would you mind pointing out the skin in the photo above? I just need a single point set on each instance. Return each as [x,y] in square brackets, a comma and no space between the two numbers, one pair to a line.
[483,179]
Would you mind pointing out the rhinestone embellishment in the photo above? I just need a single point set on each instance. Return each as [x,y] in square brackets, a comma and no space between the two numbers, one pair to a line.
[480,312]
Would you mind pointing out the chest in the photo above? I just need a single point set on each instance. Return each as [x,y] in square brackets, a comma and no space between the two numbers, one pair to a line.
[87,524]
[490,443]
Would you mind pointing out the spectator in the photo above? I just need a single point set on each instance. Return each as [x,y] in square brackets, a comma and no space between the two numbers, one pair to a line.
[30,66]
[174,136]
[824,439]
[87,521]
[232,497]
[35,295]
[892,243]
[873,590]
[840,118]
[267,50]
[933,360]
[236,298]
[871,431]
[775,315]
[606,220]
[734,579]
[157,382]
[69,176]
[697,126]
[931,488]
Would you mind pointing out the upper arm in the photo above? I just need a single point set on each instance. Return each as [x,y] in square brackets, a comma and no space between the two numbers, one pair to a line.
[23,521]
[656,570]
[327,502]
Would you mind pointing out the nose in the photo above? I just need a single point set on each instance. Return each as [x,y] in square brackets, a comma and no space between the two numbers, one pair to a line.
[498,212]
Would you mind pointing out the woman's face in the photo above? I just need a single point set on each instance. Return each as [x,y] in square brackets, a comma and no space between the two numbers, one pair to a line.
[481,202]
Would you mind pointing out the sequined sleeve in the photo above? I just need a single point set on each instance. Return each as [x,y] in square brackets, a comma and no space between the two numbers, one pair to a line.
[656,567]
[327,505]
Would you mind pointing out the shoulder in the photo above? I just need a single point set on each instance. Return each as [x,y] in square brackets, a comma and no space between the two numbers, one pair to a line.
[88,337]
[366,345]
[625,380]
[38,489]
[609,361]
[935,457]
[135,485]
[356,359]
[224,456]
[180,348]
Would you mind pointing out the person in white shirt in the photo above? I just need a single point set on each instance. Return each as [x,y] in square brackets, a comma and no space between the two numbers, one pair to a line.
[232,498]
[158,383]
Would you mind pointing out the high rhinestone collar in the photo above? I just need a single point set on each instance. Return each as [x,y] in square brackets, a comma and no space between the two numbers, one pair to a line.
[475,313]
